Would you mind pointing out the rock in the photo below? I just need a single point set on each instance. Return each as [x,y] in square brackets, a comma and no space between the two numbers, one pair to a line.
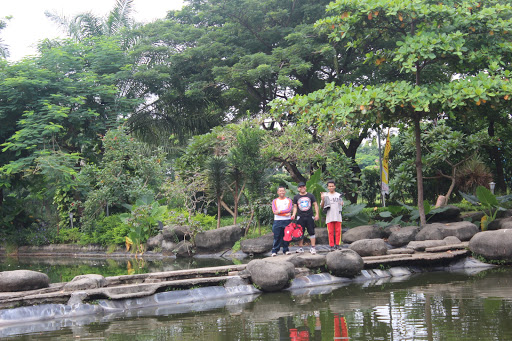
[473,217]
[369,247]
[22,280]
[184,249]
[219,239]
[403,236]
[155,242]
[271,275]
[257,245]
[363,232]
[422,245]
[168,247]
[451,240]
[84,282]
[388,230]
[463,230]
[400,251]
[322,236]
[307,261]
[176,233]
[452,213]
[497,224]
[344,263]
[493,245]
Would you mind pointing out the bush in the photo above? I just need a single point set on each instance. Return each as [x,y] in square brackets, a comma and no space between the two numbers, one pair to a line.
[69,236]
[38,234]
[182,217]
[107,231]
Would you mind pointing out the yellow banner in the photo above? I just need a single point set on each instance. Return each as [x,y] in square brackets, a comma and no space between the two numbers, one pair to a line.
[385,166]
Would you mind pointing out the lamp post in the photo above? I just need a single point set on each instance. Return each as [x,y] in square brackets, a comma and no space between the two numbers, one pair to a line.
[71,219]
[492,184]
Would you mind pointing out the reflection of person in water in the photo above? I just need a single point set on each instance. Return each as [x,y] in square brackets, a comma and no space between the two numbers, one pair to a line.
[303,333]
[340,328]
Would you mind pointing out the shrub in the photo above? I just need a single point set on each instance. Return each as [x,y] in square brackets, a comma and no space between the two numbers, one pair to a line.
[107,231]
[68,235]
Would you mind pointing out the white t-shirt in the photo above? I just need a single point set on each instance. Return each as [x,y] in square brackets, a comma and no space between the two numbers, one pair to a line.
[334,213]
[284,206]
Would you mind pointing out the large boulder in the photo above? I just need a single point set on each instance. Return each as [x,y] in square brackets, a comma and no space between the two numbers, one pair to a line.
[403,236]
[344,263]
[219,239]
[322,236]
[257,245]
[22,280]
[424,244]
[493,245]
[451,213]
[369,247]
[155,242]
[84,282]
[464,230]
[177,233]
[271,275]
[498,224]
[304,260]
[363,232]
[388,230]
[168,247]
[184,249]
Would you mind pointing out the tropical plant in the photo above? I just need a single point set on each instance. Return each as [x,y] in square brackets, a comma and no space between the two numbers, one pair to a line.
[142,221]
[489,203]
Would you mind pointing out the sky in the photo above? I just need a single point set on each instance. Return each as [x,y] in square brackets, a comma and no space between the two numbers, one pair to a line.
[29,24]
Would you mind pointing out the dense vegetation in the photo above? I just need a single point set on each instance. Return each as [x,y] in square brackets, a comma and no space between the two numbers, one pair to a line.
[201,115]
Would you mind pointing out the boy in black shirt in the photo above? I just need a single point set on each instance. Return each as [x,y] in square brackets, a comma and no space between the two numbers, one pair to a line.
[303,203]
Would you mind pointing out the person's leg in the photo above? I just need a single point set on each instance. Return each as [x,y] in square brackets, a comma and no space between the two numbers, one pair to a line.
[338,232]
[302,223]
[284,243]
[277,236]
[311,232]
[331,233]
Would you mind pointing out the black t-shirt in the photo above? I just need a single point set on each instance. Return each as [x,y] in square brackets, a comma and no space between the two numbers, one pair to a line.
[304,204]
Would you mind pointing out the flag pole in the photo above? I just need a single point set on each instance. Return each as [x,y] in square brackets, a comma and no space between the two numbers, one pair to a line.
[383,195]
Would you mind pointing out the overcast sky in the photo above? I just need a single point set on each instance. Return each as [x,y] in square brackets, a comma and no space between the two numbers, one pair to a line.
[29,24]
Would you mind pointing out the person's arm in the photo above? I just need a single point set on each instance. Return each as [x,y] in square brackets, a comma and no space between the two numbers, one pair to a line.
[274,207]
[322,199]
[294,211]
[317,214]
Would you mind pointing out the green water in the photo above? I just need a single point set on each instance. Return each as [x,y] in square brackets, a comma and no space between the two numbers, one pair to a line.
[64,269]
[427,306]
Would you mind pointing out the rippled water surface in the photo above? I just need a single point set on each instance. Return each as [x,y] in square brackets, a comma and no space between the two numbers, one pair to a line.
[427,306]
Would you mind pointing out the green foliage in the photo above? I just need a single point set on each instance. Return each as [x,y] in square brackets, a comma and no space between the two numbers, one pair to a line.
[142,221]
[106,231]
[69,236]
[199,221]
[370,184]
[488,202]
[127,171]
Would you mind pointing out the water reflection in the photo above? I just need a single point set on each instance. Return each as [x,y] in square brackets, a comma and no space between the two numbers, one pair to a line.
[430,306]
[64,269]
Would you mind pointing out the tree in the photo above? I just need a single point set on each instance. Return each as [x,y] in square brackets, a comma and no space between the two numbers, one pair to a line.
[4,50]
[87,25]
[217,176]
[453,57]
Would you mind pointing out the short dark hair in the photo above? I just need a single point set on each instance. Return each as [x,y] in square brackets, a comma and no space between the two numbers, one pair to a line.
[331,182]
[281,186]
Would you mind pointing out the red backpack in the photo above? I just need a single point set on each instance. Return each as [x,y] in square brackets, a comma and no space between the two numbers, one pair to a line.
[293,232]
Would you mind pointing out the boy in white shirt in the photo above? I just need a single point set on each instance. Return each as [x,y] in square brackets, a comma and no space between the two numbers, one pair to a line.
[333,201]
[282,208]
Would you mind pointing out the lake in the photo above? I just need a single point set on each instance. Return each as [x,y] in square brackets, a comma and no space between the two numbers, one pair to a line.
[425,306]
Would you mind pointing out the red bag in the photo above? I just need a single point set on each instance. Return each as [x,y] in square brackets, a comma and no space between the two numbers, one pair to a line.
[293,232]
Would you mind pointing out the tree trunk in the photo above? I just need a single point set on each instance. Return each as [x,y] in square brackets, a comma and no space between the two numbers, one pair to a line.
[218,211]
[294,171]
[419,170]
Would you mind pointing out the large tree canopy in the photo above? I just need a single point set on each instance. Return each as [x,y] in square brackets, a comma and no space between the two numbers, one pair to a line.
[454,57]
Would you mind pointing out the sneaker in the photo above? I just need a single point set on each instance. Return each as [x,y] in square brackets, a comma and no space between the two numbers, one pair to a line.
[300,250]
[338,247]
[332,248]
[288,253]
[274,254]
[312,250]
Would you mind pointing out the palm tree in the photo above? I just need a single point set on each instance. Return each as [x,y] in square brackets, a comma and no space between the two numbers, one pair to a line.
[87,25]
[4,51]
